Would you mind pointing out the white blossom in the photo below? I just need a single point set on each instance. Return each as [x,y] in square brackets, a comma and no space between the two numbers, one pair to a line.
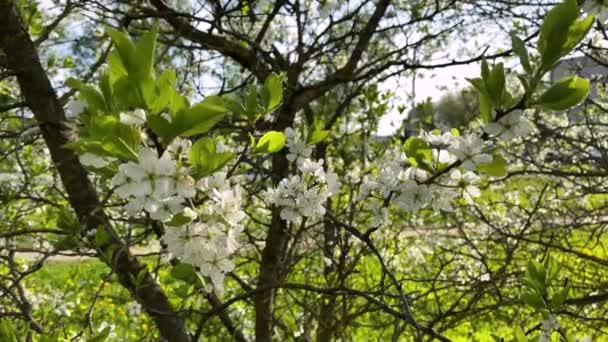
[469,150]
[136,117]
[93,160]
[134,309]
[509,127]
[296,145]
[413,197]
[208,245]
[75,108]
[467,182]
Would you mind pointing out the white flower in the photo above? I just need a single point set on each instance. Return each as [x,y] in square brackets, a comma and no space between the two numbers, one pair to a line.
[413,197]
[442,198]
[333,183]
[296,145]
[378,211]
[179,148]
[442,156]
[185,186]
[509,127]
[75,108]
[166,208]
[12,179]
[468,149]
[228,204]
[311,167]
[598,8]
[416,174]
[327,6]
[291,215]
[550,324]
[135,118]
[216,180]
[437,139]
[93,160]
[134,309]
[467,183]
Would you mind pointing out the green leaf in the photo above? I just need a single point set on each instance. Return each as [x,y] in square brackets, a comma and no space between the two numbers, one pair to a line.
[126,93]
[251,103]
[539,271]
[125,48]
[178,220]
[533,299]
[165,92]
[271,142]
[101,336]
[317,133]
[557,20]
[204,158]
[560,297]
[201,117]
[95,100]
[495,84]
[116,69]
[496,168]
[8,332]
[144,54]
[235,106]
[184,272]
[106,87]
[272,92]
[561,32]
[419,150]
[497,338]
[520,336]
[519,47]
[485,108]
[565,94]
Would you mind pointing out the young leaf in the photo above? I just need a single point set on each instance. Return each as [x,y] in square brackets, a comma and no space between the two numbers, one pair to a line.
[497,168]
[560,298]
[520,336]
[419,150]
[495,84]
[251,103]
[565,94]
[125,48]
[101,336]
[201,117]
[533,299]
[561,32]
[271,142]
[205,159]
[144,54]
[519,48]
[272,92]
[317,133]
[95,100]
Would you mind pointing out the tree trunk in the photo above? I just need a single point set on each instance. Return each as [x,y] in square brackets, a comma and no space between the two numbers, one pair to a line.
[23,60]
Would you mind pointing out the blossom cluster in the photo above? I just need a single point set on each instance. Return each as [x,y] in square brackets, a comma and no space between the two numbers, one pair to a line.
[303,195]
[154,184]
[409,188]
[160,184]
[208,244]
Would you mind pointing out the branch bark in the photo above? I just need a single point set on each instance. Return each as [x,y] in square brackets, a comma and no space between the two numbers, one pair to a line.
[40,97]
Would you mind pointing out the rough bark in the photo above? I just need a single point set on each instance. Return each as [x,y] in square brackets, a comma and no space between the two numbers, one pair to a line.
[22,59]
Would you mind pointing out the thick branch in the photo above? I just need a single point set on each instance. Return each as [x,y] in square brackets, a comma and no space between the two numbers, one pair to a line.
[242,55]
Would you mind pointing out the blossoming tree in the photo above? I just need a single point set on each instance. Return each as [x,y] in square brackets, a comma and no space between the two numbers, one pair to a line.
[280,221]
